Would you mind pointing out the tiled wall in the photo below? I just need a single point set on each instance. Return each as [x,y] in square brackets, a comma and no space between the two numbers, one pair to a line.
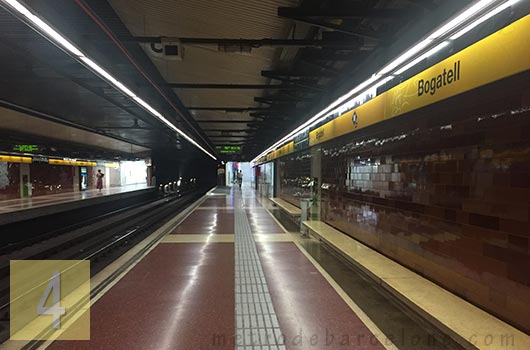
[445,192]
[9,180]
[452,202]
[50,179]
[45,179]
[295,177]
[265,179]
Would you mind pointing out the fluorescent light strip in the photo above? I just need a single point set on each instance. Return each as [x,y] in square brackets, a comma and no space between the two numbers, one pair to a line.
[461,18]
[64,43]
[44,27]
[93,65]
[422,57]
[150,109]
[484,18]
[386,70]
[322,114]
[404,57]
[437,34]
[171,125]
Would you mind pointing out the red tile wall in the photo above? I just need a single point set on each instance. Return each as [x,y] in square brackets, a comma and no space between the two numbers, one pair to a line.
[295,175]
[9,181]
[49,179]
[451,202]
[444,191]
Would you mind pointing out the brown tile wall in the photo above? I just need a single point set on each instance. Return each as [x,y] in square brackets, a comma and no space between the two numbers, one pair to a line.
[295,176]
[50,179]
[444,191]
[9,181]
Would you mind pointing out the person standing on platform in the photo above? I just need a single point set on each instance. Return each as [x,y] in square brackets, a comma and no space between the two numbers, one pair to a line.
[99,181]
[240,178]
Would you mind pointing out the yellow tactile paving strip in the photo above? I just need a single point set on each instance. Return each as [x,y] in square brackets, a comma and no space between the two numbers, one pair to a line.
[456,316]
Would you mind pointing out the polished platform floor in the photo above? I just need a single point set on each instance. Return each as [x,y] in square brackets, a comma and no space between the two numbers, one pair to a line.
[230,276]
[13,205]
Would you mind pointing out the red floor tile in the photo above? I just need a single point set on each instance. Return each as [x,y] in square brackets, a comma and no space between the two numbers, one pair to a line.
[308,308]
[179,297]
[262,222]
[207,221]
[218,202]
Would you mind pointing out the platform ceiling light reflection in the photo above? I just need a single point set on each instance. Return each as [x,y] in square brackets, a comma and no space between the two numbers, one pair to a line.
[64,43]
[454,28]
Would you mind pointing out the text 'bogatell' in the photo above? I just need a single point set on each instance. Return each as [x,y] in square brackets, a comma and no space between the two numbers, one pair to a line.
[446,78]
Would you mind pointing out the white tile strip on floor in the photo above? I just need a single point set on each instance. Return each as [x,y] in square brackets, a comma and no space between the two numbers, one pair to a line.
[257,326]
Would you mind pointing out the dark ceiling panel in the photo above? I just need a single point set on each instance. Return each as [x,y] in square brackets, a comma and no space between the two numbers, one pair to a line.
[34,73]
[319,46]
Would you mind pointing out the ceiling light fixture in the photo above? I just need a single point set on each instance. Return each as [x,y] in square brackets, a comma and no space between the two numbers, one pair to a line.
[428,54]
[484,18]
[434,42]
[65,44]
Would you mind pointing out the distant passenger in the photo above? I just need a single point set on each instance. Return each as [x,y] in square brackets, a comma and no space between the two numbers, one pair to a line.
[99,182]
[240,178]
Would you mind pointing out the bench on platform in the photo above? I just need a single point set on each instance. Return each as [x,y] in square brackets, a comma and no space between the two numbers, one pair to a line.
[287,207]
[462,321]
[288,214]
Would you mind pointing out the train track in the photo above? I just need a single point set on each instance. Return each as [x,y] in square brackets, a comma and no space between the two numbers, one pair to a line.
[100,240]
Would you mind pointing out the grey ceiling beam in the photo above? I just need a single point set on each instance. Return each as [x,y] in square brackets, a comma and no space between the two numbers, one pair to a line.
[342,12]
[252,43]
[281,99]
[314,88]
[426,5]
[224,121]
[231,136]
[227,109]
[127,128]
[230,86]
[226,130]
[270,112]
[362,33]
[286,74]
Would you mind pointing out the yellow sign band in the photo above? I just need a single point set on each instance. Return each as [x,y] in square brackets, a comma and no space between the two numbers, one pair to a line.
[500,55]
[15,159]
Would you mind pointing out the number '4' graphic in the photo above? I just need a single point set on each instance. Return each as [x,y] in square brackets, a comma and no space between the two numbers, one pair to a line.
[54,287]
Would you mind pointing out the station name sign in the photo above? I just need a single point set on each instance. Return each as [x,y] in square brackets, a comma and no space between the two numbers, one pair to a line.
[40,159]
[447,77]
[502,54]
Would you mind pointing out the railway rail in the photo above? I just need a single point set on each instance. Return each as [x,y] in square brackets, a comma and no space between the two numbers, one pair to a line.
[101,240]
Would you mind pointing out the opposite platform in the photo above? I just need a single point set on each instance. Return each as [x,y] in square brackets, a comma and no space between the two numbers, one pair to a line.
[15,210]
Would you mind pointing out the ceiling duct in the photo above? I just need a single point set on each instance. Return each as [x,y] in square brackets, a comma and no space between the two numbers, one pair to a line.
[235,48]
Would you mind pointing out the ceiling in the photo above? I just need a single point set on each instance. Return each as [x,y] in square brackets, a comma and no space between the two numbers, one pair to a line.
[246,71]
[65,140]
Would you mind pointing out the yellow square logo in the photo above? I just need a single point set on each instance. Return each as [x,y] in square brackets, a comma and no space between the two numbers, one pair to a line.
[50,300]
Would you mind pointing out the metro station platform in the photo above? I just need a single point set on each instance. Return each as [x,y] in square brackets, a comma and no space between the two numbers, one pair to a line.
[14,210]
[227,275]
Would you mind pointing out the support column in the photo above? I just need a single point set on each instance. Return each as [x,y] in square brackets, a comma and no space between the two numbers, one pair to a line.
[25,181]
[316,175]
